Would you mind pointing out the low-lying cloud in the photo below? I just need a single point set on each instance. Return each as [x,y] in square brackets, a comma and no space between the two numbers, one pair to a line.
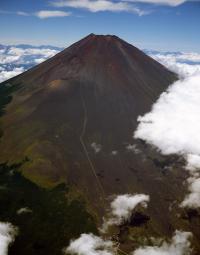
[7,235]
[5,75]
[174,122]
[179,245]
[192,200]
[96,147]
[184,64]
[89,244]
[17,59]
[41,14]
[122,207]
[133,148]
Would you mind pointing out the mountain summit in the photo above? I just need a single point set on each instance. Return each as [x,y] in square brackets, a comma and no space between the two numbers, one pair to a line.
[71,120]
[86,97]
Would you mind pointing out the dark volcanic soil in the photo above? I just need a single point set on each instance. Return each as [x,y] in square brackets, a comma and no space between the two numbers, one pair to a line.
[93,93]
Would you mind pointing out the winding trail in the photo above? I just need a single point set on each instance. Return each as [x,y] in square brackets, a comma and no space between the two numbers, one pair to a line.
[85,149]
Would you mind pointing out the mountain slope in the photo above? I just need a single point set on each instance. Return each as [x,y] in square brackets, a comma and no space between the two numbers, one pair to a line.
[92,92]
[100,80]
[72,118]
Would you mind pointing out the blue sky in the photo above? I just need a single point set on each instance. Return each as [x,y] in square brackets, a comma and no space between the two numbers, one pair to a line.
[165,25]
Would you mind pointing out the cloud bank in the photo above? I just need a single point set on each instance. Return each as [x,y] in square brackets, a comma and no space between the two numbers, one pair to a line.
[192,200]
[5,75]
[182,63]
[174,122]
[7,236]
[179,245]
[89,244]
[17,59]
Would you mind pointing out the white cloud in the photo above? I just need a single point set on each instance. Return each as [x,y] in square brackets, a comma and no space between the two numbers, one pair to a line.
[192,200]
[24,210]
[179,245]
[19,52]
[160,2]
[133,148]
[173,124]
[16,55]
[7,236]
[39,60]
[22,13]
[7,59]
[100,5]
[188,56]
[184,64]
[122,208]
[123,205]
[5,75]
[193,163]
[173,127]
[15,60]
[44,14]
[114,153]
[89,244]
[96,147]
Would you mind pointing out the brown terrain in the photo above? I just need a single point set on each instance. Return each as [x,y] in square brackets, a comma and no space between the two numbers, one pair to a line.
[90,95]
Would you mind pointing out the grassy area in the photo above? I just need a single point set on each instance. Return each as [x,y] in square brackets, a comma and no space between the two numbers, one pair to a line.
[6,91]
[54,219]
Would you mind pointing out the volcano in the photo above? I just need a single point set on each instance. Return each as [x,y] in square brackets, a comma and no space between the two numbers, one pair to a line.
[69,122]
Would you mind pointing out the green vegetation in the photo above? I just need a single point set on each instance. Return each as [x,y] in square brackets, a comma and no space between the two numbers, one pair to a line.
[54,219]
[6,90]
[53,216]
